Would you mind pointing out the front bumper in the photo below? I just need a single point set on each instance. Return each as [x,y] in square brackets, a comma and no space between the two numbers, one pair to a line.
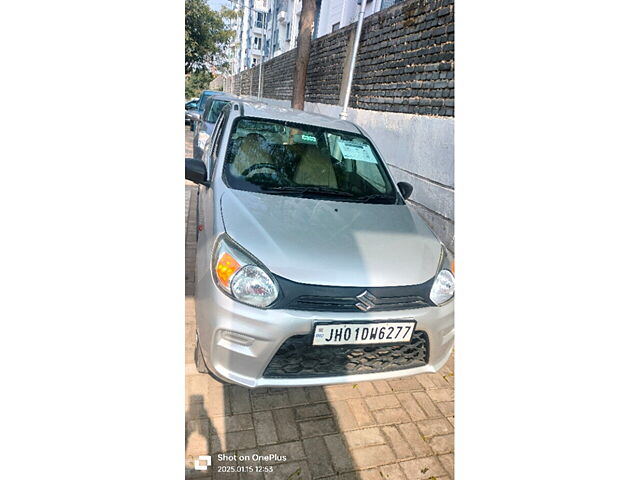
[239,341]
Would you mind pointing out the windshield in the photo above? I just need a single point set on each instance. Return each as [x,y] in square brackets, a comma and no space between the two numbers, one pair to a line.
[214,111]
[203,99]
[283,158]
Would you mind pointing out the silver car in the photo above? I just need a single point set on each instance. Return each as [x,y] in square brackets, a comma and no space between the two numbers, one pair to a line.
[310,268]
[204,125]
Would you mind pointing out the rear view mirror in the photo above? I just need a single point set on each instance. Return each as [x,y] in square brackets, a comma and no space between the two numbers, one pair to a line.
[405,189]
[196,171]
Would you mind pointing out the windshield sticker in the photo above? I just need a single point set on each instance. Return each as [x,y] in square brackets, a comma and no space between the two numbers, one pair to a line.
[304,138]
[356,151]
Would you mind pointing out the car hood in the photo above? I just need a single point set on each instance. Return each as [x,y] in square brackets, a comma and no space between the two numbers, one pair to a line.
[325,242]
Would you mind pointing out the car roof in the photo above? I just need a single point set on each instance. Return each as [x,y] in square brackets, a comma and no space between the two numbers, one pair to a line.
[224,97]
[254,108]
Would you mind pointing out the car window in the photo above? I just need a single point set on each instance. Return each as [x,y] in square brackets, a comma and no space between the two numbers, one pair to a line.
[287,158]
[217,137]
[203,99]
[207,107]
[214,110]
[356,156]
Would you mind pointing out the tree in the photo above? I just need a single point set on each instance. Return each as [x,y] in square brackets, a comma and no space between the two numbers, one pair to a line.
[302,55]
[196,82]
[206,37]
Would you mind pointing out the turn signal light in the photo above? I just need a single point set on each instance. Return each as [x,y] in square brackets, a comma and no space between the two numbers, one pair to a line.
[225,268]
[453,266]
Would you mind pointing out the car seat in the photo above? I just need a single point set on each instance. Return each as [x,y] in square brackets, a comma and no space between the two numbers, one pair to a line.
[252,150]
[315,168]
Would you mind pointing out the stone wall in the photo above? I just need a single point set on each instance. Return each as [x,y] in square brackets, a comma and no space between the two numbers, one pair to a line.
[327,60]
[405,63]
[405,60]
[278,76]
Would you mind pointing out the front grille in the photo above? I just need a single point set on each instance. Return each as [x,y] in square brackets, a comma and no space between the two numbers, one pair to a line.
[297,358]
[325,298]
[348,304]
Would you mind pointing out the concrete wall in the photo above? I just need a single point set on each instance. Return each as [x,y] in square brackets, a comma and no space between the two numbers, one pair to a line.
[217,83]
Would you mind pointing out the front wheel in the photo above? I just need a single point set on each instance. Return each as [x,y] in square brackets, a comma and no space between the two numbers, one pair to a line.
[200,365]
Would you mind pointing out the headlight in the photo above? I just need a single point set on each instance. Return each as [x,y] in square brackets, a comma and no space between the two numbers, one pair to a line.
[444,285]
[253,286]
[241,276]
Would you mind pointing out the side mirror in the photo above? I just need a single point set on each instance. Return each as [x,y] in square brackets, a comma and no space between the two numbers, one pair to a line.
[196,171]
[195,116]
[405,189]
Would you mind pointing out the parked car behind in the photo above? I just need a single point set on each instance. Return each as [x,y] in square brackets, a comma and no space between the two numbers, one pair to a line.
[310,267]
[196,113]
[190,105]
[203,127]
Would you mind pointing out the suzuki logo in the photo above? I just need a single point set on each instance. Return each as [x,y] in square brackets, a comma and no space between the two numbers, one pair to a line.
[367,301]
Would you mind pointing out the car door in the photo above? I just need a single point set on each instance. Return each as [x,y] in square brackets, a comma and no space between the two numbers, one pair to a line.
[209,122]
[197,130]
[205,193]
[206,218]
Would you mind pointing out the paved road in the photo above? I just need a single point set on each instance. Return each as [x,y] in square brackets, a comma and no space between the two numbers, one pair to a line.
[384,430]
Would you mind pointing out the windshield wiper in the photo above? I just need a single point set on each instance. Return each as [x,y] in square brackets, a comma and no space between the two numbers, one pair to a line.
[316,189]
[377,196]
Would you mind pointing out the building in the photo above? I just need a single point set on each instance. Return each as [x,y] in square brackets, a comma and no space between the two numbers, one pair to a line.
[284,28]
[251,27]
[335,14]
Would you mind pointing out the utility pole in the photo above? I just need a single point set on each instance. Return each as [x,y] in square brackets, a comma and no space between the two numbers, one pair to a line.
[260,73]
[262,52]
[354,54]
[302,55]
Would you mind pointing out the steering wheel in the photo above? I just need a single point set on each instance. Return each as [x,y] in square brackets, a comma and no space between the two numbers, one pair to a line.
[256,166]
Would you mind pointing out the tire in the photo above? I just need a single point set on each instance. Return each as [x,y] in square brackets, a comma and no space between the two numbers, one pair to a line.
[200,365]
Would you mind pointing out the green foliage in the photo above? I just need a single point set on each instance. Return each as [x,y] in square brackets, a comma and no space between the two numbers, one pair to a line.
[227,13]
[206,37]
[196,82]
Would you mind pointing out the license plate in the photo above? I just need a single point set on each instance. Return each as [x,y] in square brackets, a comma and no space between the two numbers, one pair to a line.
[363,333]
